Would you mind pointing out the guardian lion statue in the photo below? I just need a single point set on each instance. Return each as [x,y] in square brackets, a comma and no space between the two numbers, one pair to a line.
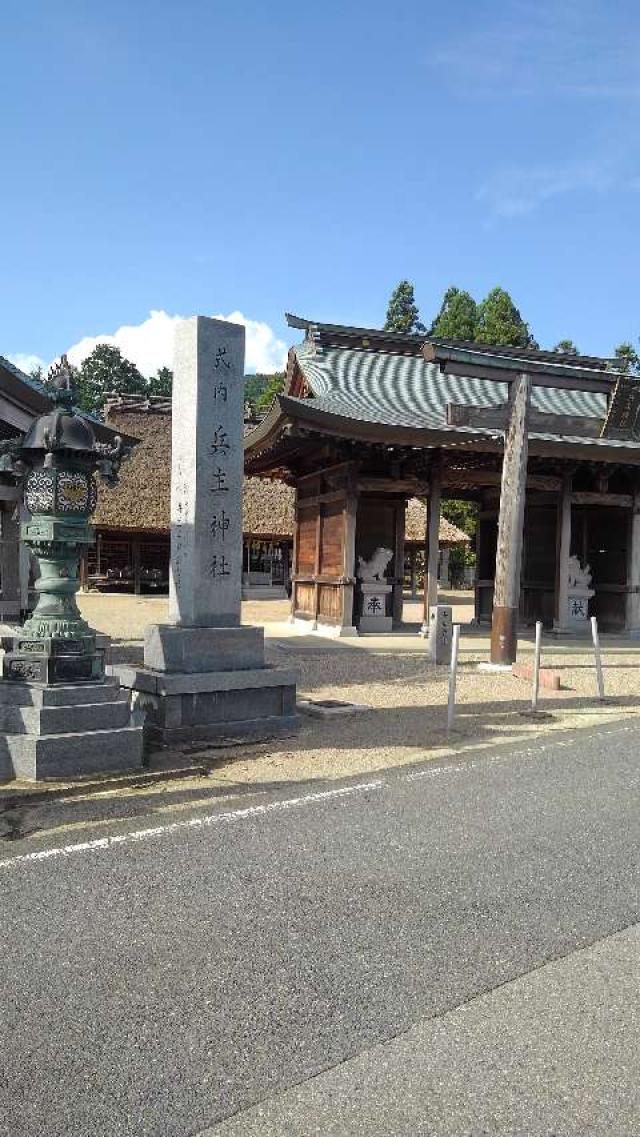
[579,577]
[374,568]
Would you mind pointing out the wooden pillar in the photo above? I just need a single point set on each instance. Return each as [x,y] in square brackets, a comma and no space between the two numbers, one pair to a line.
[431,545]
[316,570]
[506,593]
[563,552]
[294,558]
[135,553]
[633,572]
[349,563]
[396,605]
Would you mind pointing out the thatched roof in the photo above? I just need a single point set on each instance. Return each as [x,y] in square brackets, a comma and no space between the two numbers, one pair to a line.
[416,522]
[141,499]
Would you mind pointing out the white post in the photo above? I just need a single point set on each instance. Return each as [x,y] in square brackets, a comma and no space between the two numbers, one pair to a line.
[536,666]
[596,650]
[452,676]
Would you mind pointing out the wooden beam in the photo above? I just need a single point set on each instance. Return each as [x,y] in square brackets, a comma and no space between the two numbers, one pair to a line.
[506,596]
[496,418]
[476,478]
[618,500]
[501,375]
[412,486]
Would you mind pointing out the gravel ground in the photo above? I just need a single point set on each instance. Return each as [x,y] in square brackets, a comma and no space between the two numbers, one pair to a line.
[406,694]
[405,722]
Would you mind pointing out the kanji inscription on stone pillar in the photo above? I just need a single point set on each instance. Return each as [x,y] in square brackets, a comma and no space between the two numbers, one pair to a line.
[207,473]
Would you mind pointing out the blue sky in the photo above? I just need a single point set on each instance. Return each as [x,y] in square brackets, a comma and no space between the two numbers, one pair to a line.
[258,157]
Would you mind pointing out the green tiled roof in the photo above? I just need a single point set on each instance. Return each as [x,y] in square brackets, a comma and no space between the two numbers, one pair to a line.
[405,390]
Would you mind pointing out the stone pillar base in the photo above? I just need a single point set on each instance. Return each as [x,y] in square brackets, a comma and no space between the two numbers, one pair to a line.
[199,683]
[181,707]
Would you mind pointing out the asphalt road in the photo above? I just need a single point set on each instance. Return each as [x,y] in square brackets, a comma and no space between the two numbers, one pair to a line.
[386,934]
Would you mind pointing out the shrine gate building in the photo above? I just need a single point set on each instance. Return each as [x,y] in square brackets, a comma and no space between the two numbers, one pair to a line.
[547,445]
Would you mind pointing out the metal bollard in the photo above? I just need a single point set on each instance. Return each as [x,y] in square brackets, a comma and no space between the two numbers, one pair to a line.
[596,651]
[453,671]
[536,666]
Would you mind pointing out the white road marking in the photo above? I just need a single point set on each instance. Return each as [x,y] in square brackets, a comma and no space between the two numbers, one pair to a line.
[101,843]
[461,767]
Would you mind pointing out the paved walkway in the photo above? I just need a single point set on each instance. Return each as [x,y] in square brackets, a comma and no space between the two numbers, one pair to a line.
[553,1054]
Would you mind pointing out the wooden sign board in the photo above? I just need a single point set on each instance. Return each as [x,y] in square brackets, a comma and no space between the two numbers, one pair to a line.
[623,416]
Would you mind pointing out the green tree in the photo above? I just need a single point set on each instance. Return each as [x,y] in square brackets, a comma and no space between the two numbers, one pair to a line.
[273,386]
[464,514]
[402,313]
[106,371]
[566,347]
[38,374]
[161,383]
[500,323]
[457,317]
[626,359]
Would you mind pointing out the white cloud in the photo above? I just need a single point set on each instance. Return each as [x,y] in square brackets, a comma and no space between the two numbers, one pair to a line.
[150,344]
[540,48]
[27,363]
[513,191]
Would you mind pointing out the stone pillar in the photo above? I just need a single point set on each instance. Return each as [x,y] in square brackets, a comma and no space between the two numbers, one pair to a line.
[506,595]
[563,546]
[207,474]
[204,674]
[633,573]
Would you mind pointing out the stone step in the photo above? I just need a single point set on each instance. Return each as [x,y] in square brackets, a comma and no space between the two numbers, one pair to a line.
[72,755]
[63,695]
[68,719]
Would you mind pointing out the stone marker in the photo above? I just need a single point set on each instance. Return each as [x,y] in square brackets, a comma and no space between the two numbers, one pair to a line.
[374,591]
[204,674]
[440,633]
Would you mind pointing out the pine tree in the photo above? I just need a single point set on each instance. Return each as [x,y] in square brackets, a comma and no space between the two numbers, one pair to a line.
[457,317]
[626,359]
[402,313]
[500,323]
[566,347]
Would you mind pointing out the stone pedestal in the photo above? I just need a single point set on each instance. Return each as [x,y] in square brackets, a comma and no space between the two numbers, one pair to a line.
[578,609]
[374,607]
[60,731]
[204,674]
[440,633]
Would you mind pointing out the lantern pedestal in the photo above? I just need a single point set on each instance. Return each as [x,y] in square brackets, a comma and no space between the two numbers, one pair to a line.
[67,729]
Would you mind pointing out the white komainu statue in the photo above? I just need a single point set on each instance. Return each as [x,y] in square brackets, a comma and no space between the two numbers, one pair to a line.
[374,568]
[579,577]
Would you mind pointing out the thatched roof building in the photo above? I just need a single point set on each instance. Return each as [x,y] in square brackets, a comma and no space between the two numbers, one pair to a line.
[140,501]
